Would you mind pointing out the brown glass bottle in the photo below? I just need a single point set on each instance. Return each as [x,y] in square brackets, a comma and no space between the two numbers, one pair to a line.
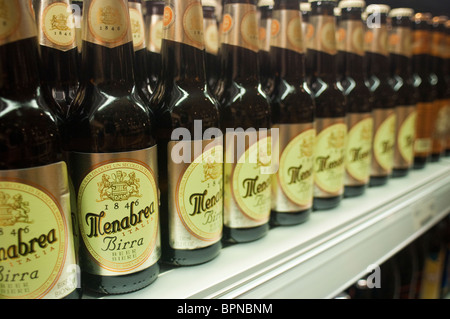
[153,29]
[140,48]
[265,28]
[191,188]
[112,159]
[382,95]
[244,108]
[400,55]
[211,43]
[34,190]
[358,107]
[330,108]
[425,83]
[293,115]
[58,51]
[438,54]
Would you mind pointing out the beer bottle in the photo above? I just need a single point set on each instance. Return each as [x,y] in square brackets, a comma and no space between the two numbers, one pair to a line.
[293,116]
[113,158]
[211,42]
[190,149]
[154,30]
[140,47]
[358,108]
[58,51]
[425,83]
[329,152]
[382,95]
[265,8]
[438,53]
[400,54]
[37,243]
[246,121]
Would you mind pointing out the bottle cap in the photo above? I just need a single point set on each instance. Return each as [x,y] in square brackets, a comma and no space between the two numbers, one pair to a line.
[381,8]
[266,3]
[322,1]
[401,12]
[352,4]
[305,6]
[209,3]
[337,11]
[422,16]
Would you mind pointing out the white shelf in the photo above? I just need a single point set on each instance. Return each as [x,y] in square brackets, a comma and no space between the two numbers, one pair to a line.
[320,258]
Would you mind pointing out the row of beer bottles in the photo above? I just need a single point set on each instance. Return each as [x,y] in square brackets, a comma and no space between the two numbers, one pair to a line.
[421,270]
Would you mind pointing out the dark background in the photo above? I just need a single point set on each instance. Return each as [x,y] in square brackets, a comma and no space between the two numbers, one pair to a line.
[435,7]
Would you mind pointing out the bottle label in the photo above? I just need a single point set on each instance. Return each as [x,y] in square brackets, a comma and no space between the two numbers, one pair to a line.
[384,141]
[287,30]
[359,148]
[440,125]
[421,42]
[376,40]
[16,21]
[247,187]
[350,37]
[264,34]
[155,33]
[240,26]
[438,44]
[324,34]
[195,194]
[137,25]
[423,143]
[107,23]
[211,36]
[57,25]
[400,41]
[37,253]
[329,158]
[118,210]
[405,132]
[292,186]
[188,28]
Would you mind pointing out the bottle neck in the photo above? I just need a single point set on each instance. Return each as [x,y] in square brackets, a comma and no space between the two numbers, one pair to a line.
[107,55]
[239,50]
[400,48]
[183,46]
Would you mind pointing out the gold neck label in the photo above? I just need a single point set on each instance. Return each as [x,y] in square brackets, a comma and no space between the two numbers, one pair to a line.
[240,26]
[286,30]
[154,33]
[322,34]
[16,21]
[137,25]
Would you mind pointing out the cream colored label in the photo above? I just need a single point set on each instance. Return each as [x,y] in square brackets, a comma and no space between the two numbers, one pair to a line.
[400,41]
[37,254]
[137,25]
[195,194]
[292,186]
[183,22]
[426,113]
[287,30]
[405,135]
[57,25]
[350,37]
[329,157]
[264,34]
[247,190]
[118,210]
[211,36]
[155,33]
[107,22]
[376,40]
[16,21]
[359,148]
[240,26]
[323,37]
[383,144]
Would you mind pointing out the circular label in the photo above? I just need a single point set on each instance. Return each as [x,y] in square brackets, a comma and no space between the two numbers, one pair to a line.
[58,24]
[294,33]
[118,214]
[251,188]
[199,196]
[405,139]
[383,143]
[274,27]
[108,20]
[10,17]
[328,37]
[156,34]
[33,241]
[212,39]
[250,30]
[168,16]
[329,158]
[296,168]
[193,23]
[359,148]
[137,27]
[227,23]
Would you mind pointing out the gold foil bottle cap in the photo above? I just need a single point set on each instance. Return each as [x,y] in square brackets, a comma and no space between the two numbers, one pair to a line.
[401,12]
[266,3]
[381,8]
[352,4]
